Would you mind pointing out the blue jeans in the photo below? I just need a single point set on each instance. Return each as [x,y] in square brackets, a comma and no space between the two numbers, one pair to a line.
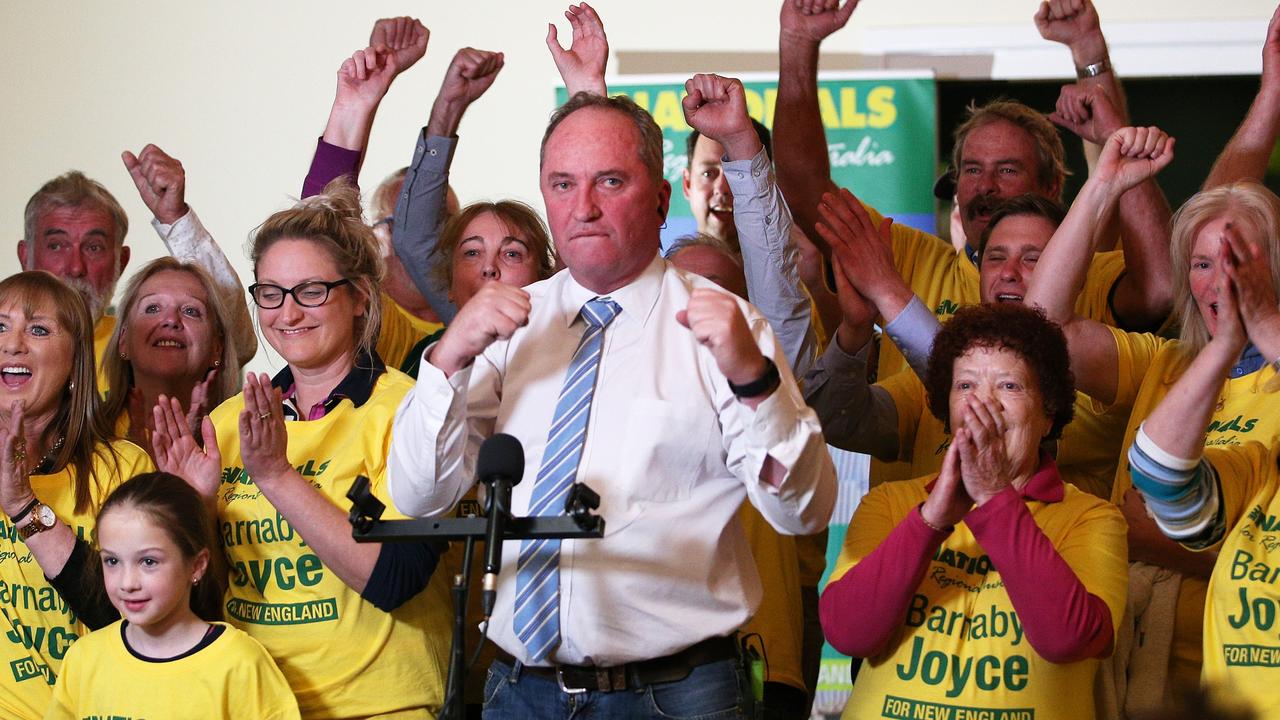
[714,691]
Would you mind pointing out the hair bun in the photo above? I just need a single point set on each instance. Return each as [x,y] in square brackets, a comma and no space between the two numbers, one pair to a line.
[339,197]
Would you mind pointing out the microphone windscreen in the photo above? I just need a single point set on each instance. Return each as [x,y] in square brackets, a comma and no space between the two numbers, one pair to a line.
[500,456]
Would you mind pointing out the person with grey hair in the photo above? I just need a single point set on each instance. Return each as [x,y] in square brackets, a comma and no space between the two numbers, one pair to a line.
[676,406]
[75,228]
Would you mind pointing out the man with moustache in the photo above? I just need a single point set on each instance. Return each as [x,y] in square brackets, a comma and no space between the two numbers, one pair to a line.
[1003,149]
[75,228]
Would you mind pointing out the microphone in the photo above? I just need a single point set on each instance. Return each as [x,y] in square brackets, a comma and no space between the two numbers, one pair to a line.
[500,465]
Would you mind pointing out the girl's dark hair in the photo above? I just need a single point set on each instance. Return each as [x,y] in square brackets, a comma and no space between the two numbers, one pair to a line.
[178,509]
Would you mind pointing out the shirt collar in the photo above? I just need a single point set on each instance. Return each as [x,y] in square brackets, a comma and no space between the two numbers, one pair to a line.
[637,298]
[1251,360]
[1045,484]
[357,386]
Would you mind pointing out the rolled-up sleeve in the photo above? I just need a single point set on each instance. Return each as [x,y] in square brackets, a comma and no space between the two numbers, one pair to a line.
[784,429]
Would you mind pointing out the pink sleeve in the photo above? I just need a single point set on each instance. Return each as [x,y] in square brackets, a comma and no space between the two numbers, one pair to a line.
[861,611]
[1063,620]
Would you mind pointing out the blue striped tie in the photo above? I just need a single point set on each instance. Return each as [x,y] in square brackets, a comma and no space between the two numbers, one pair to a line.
[537,614]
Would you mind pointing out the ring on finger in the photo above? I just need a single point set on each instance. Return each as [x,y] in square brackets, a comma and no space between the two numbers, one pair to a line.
[265,415]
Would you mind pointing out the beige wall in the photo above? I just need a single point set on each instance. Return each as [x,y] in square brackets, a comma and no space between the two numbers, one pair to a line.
[239,90]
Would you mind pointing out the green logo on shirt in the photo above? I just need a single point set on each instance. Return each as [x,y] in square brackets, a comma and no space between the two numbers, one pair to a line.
[237,476]
[27,669]
[987,672]
[283,613]
[908,709]
[1233,425]
[972,564]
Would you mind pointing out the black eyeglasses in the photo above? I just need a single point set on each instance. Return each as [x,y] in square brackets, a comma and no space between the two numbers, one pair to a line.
[312,293]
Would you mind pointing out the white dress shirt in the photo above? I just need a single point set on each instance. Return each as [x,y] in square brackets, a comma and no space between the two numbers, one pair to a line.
[669,448]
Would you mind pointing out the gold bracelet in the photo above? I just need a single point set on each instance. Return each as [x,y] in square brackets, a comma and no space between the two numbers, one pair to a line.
[931,526]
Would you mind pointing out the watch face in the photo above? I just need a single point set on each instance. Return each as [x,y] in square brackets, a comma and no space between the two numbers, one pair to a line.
[44,516]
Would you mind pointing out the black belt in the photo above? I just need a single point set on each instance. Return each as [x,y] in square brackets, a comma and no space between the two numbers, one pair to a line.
[634,675]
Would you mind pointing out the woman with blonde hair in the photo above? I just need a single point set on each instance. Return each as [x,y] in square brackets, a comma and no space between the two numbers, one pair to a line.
[1134,372]
[347,622]
[58,461]
[171,338]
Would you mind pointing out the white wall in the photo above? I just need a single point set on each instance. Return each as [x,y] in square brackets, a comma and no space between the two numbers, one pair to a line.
[239,90]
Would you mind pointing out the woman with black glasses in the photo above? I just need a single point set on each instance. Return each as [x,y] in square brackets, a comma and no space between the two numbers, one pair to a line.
[360,630]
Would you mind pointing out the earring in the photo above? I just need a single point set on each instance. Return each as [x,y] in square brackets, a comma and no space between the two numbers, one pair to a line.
[71,385]
[195,580]
[217,363]
[123,356]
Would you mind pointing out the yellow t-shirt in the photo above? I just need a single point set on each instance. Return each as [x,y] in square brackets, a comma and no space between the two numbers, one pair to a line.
[343,657]
[1086,453]
[231,677]
[946,281]
[1149,366]
[961,649]
[400,332]
[1241,637]
[779,621]
[37,625]
[101,334]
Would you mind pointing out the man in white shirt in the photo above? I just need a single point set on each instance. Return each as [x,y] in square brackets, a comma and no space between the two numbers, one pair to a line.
[693,409]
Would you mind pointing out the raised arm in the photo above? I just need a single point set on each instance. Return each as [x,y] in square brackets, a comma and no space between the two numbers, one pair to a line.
[716,107]
[420,211]
[363,80]
[1144,294]
[855,415]
[395,44]
[1164,459]
[1093,108]
[1246,155]
[1075,23]
[799,140]
[582,65]
[161,182]
[1130,156]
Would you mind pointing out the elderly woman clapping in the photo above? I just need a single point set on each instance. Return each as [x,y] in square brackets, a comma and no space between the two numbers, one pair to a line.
[991,585]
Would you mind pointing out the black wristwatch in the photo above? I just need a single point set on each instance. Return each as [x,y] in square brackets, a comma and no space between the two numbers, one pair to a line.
[767,381]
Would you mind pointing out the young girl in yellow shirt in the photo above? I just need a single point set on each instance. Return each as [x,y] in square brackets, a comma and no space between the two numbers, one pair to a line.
[169,655]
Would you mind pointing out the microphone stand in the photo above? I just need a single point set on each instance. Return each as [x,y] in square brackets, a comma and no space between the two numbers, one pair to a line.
[367,526]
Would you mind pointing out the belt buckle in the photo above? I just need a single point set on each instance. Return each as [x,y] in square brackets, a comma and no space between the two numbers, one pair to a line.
[564,688]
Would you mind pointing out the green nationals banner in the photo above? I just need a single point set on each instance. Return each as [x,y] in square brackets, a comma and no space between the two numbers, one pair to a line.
[881,136]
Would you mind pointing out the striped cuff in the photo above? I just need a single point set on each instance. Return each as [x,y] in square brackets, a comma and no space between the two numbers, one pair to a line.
[1180,493]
